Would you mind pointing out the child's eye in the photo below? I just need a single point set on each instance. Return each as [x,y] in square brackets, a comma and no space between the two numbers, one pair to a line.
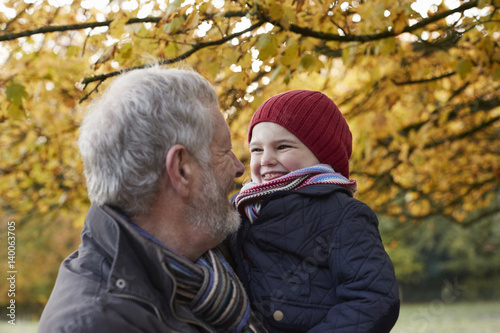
[255,150]
[281,147]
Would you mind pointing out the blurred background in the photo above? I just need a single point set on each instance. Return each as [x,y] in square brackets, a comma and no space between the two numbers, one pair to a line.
[418,82]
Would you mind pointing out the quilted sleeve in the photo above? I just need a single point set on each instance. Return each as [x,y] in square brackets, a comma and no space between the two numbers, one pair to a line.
[367,284]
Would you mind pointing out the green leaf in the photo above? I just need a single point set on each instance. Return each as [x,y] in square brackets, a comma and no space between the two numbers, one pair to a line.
[464,67]
[307,61]
[171,50]
[496,74]
[348,54]
[174,26]
[291,54]
[267,46]
[387,46]
[15,93]
[276,72]
[125,53]
[73,51]
[289,17]
[15,112]
[276,11]
[172,7]
[239,80]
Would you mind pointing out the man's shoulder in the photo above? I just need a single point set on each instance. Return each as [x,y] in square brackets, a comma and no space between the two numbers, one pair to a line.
[83,303]
[75,294]
[99,314]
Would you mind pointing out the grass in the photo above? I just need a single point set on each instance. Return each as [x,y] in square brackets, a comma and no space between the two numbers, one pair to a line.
[22,326]
[433,317]
[441,317]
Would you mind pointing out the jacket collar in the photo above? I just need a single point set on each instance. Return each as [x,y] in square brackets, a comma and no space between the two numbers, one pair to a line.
[135,261]
[138,263]
[323,189]
[312,190]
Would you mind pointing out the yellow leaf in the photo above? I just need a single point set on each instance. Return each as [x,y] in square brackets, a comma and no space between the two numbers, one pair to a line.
[239,80]
[298,8]
[399,24]
[116,27]
[275,11]
[246,60]
[214,69]
[73,51]
[15,112]
[203,8]
[289,17]
[171,50]
[192,20]
[483,3]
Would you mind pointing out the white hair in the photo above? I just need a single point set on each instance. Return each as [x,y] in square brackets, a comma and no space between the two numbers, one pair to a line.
[127,132]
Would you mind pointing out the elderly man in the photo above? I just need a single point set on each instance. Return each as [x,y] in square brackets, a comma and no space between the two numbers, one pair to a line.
[159,168]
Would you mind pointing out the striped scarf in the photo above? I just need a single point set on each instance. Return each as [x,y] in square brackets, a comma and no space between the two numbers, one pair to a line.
[211,290]
[250,198]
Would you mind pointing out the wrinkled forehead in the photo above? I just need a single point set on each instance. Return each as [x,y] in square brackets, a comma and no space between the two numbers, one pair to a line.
[222,134]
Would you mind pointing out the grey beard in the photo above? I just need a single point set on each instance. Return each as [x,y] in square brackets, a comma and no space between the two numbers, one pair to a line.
[211,210]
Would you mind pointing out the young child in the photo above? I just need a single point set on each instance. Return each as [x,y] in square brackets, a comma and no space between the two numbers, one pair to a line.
[309,255]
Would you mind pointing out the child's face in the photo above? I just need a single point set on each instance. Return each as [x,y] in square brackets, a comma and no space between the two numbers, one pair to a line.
[275,152]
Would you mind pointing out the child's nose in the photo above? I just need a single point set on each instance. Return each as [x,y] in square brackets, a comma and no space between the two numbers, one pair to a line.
[268,157]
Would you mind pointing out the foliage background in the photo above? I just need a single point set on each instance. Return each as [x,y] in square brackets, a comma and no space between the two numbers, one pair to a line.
[418,82]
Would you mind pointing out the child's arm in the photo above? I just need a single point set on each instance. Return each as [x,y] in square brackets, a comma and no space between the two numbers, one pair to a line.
[367,282]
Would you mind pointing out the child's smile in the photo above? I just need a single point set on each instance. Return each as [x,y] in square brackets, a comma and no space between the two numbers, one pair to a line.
[275,152]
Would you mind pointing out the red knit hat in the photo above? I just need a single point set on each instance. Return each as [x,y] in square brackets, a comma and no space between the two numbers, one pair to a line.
[313,118]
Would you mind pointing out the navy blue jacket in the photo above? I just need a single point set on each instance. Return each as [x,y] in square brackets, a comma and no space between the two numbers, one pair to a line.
[314,262]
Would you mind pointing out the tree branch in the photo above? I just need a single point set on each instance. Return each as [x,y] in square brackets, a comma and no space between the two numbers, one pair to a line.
[480,216]
[476,105]
[183,56]
[90,93]
[386,34]
[71,27]
[464,134]
[17,16]
[423,80]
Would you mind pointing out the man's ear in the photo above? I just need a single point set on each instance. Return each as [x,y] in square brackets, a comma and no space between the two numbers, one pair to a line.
[179,168]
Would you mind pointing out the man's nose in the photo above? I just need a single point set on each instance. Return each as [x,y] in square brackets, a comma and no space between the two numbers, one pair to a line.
[238,166]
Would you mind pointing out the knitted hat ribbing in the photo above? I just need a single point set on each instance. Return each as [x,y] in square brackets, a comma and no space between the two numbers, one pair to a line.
[313,118]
